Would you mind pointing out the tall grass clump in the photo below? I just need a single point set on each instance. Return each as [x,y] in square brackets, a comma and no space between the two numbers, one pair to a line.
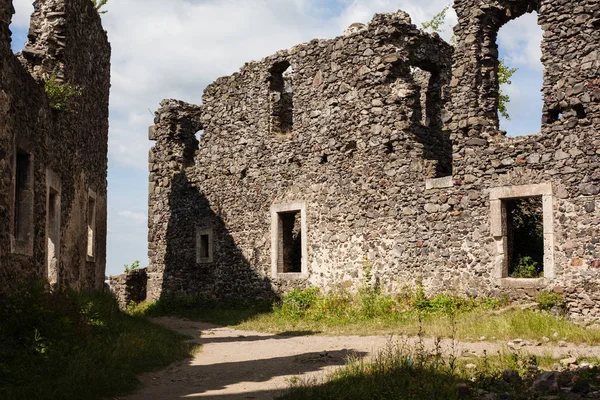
[68,345]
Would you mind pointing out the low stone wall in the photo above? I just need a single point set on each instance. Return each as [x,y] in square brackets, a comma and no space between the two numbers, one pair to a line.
[129,287]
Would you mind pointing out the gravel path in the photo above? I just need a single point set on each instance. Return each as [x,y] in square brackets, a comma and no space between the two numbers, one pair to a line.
[237,364]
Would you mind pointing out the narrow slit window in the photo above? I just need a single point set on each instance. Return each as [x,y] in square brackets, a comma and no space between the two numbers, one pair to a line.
[91,226]
[22,232]
[53,236]
[281,98]
[204,246]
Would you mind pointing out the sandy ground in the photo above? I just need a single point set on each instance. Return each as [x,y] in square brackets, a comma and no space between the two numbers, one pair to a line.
[237,364]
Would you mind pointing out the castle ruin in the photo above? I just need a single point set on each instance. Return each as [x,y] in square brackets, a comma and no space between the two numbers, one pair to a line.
[381,150]
[53,156]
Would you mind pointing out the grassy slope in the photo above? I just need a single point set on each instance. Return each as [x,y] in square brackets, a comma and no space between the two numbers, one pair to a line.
[77,346]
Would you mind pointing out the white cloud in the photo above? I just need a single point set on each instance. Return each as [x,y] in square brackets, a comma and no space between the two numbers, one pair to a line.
[521,39]
[136,217]
[23,10]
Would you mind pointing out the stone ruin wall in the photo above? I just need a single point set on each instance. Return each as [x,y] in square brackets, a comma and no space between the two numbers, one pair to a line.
[67,150]
[361,155]
[129,287]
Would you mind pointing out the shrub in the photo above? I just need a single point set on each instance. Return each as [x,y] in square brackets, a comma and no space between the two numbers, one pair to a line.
[526,268]
[132,266]
[548,300]
[297,302]
[61,95]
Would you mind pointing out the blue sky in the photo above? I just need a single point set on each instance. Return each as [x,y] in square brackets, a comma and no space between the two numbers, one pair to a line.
[164,49]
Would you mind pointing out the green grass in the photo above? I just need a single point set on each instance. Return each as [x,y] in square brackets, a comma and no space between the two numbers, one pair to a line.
[402,372]
[371,312]
[67,345]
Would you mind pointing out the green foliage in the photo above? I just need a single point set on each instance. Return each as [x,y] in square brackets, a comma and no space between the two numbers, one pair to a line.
[132,266]
[436,23]
[98,4]
[526,268]
[76,345]
[61,95]
[526,218]
[297,302]
[548,300]
[505,74]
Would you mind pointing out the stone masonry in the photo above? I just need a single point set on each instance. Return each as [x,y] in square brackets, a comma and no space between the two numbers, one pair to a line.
[53,163]
[380,150]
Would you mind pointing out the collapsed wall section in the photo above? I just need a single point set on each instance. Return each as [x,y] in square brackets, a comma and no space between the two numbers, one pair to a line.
[54,162]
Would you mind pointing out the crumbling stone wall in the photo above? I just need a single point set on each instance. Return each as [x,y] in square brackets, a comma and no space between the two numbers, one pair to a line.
[64,238]
[411,187]
[355,153]
[129,287]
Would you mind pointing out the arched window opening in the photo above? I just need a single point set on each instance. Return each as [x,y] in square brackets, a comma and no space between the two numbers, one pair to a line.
[520,75]
[281,98]
[19,26]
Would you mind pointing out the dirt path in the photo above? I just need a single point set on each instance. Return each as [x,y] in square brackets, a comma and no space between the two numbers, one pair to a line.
[251,365]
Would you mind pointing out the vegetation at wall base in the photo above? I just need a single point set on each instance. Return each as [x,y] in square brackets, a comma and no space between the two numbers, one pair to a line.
[371,312]
[401,371]
[67,345]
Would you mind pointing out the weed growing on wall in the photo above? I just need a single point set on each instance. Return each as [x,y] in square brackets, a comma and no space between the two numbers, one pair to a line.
[98,4]
[130,267]
[62,96]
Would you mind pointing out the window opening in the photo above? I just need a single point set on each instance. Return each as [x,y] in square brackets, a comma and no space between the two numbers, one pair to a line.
[23,204]
[290,242]
[429,97]
[524,222]
[19,26]
[281,98]
[53,235]
[91,226]
[522,225]
[204,246]
[520,75]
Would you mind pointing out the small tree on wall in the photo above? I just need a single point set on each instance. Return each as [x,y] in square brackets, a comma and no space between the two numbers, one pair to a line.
[99,4]
[505,72]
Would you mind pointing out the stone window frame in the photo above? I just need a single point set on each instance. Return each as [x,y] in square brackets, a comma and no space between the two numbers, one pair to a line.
[498,231]
[17,244]
[200,231]
[53,184]
[90,253]
[276,209]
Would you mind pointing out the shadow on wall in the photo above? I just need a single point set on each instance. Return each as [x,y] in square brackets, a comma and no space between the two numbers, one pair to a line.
[202,259]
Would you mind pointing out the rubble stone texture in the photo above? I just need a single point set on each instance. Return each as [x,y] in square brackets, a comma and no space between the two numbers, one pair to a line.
[53,164]
[394,148]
